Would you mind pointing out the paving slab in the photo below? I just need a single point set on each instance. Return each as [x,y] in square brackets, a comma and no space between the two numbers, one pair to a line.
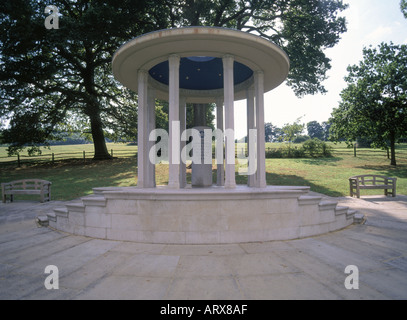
[311,268]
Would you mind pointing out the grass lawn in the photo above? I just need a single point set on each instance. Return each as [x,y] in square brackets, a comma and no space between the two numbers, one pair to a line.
[75,178]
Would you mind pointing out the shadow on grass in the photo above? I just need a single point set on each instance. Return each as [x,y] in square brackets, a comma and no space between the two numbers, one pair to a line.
[399,171]
[292,180]
[319,161]
[74,179]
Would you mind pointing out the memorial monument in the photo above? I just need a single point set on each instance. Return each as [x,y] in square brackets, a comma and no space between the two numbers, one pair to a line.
[201,65]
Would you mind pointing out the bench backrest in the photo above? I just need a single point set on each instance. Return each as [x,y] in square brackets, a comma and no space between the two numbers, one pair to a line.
[27,184]
[373,180]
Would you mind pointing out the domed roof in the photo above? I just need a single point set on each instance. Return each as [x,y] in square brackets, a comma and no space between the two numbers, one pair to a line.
[201,70]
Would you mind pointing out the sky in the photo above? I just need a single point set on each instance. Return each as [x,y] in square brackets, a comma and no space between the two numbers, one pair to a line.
[370,22]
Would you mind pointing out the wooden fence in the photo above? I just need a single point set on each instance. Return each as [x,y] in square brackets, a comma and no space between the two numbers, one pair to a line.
[131,151]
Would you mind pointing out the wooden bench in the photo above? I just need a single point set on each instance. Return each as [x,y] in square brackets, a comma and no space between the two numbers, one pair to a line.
[27,186]
[371,182]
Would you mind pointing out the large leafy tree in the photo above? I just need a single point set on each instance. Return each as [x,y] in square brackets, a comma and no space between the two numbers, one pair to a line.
[403,6]
[272,133]
[315,130]
[374,104]
[51,76]
[291,131]
[302,28]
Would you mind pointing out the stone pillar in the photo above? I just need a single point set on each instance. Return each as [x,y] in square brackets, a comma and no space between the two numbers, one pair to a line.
[251,179]
[183,126]
[142,130]
[220,178]
[229,99]
[174,124]
[150,183]
[261,137]
[199,115]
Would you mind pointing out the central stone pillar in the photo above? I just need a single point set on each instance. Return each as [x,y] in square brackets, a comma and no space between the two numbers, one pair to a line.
[201,175]
[199,115]
[202,171]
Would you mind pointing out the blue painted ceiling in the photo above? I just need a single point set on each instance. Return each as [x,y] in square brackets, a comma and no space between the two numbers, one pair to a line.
[200,73]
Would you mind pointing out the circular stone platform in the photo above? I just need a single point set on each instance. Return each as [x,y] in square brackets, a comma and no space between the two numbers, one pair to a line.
[201,216]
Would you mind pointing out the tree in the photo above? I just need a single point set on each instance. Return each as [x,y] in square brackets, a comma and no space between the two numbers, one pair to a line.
[290,131]
[325,127]
[403,7]
[315,130]
[374,105]
[48,76]
[304,29]
[271,132]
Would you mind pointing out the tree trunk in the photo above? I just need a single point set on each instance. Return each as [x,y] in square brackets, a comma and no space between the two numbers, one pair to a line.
[93,111]
[393,148]
[99,143]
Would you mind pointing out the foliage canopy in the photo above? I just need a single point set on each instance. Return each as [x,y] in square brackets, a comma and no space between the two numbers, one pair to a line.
[374,104]
[61,79]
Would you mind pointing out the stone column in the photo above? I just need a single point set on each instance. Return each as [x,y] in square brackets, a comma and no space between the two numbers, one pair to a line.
[150,183]
[142,130]
[251,179]
[174,124]
[228,84]
[183,126]
[199,115]
[261,139]
[220,178]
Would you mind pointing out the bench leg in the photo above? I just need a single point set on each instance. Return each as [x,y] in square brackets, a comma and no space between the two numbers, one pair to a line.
[392,193]
[352,191]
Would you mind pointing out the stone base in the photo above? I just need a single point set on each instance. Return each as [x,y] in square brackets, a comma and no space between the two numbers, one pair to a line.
[213,215]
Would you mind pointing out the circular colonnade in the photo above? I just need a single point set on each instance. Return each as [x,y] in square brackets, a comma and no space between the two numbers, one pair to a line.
[200,65]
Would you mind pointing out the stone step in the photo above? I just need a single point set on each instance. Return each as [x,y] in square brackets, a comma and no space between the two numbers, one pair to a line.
[75,206]
[52,216]
[95,201]
[327,205]
[99,191]
[359,218]
[350,214]
[43,221]
[61,212]
[309,200]
[339,210]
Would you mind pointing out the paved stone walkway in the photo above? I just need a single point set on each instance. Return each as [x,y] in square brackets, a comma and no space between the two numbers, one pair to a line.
[312,268]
